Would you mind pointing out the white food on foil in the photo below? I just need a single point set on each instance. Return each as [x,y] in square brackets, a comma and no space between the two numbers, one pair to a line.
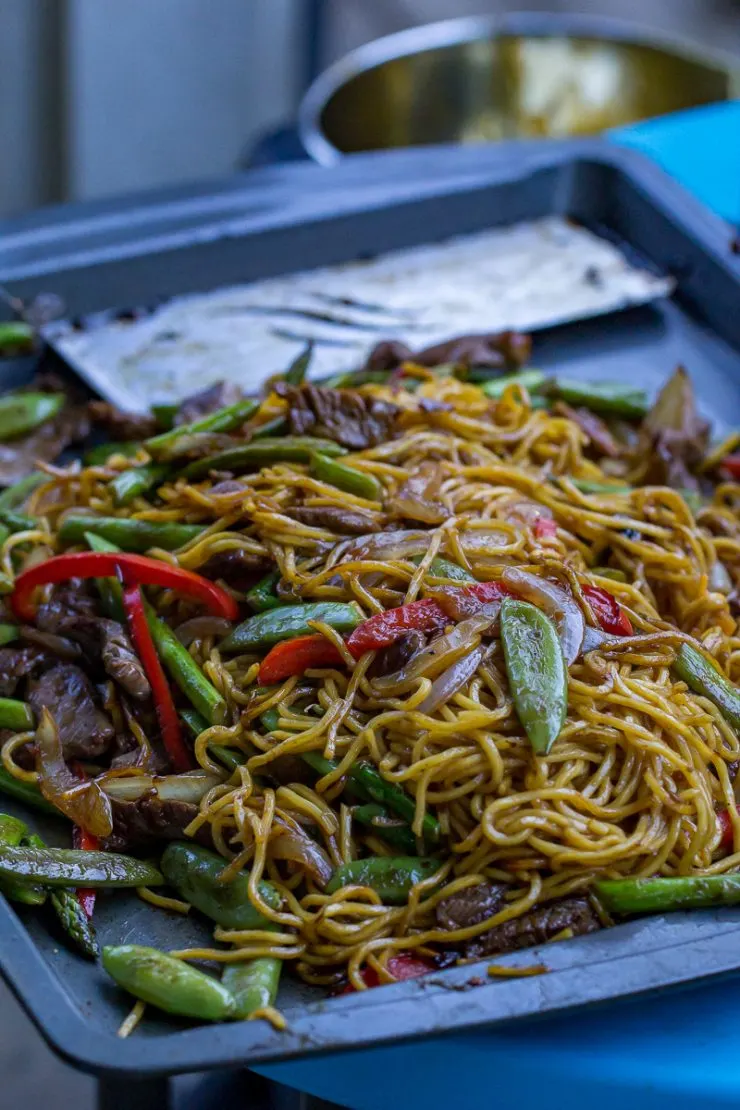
[527,276]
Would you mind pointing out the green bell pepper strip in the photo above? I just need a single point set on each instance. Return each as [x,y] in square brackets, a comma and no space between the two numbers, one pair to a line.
[12,833]
[375,818]
[345,477]
[195,873]
[72,867]
[262,596]
[16,338]
[101,452]
[703,678]
[298,368]
[137,481]
[21,413]
[167,983]
[390,877]
[531,380]
[266,629]
[625,896]
[263,452]
[8,633]
[225,420]
[275,427]
[177,660]
[538,676]
[129,534]
[15,715]
[26,792]
[606,398]
[253,984]
[16,494]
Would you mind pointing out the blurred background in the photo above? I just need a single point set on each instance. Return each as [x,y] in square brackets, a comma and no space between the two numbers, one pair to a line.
[100,97]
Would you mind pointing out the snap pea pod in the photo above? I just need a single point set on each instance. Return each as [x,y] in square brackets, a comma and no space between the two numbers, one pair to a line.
[275,427]
[167,983]
[12,833]
[606,398]
[177,660]
[72,917]
[16,494]
[101,452]
[262,596]
[225,420]
[15,715]
[137,481]
[21,413]
[265,629]
[8,633]
[298,368]
[195,872]
[703,678]
[375,818]
[390,877]
[26,792]
[263,452]
[71,867]
[531,380]
[253,984]
[17,522]
[443,568]
[345,477]
[16,338]
[624,896]
[128,533]
[538,676]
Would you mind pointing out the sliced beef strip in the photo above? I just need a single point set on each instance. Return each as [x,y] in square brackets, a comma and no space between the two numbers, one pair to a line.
[68,603]
[18,663]
[388,355]
[85,731]
[593,426]
[492,349]
[470,906]
[208,400]
[121,661]
[342,521]
[238,569]
[142,823]
[390,659]
[343,415]
[536,927]
[122,425]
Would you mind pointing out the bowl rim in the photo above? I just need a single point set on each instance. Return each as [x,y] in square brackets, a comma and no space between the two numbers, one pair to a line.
[468,29]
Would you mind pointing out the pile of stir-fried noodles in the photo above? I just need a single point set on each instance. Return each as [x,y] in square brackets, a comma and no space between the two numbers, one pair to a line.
[614,520]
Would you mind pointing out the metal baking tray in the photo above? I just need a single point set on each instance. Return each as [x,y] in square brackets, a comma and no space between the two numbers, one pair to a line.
[95,260]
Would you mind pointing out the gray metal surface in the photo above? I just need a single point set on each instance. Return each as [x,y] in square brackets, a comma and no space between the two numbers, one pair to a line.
[74,1005]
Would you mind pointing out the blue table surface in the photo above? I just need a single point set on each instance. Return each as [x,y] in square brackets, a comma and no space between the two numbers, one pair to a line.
[676,1049]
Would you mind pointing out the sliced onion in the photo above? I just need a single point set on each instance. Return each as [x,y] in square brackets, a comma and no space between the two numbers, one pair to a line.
[57,645]
[418,496]
[452,680]
[297,846]
[83,802]
[438,656]
[189,787]
[593,638]
[555,602]
[719,578]
[400,544]
[478,540]
[197,628]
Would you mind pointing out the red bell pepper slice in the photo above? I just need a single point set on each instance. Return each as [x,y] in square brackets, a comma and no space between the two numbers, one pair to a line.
[81,838]
[295,657]
[730,465]
[385,628]
[545,528]
[141,637]
[402,966]
[608,611]
[724,821]
[137,568]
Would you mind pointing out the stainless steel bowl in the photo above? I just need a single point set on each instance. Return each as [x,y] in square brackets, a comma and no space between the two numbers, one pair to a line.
[489,78]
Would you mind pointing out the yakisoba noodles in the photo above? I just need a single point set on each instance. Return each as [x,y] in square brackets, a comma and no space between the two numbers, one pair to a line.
[463,484]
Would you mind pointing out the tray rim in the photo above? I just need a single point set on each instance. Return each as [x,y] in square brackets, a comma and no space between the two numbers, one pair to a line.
[449,1008]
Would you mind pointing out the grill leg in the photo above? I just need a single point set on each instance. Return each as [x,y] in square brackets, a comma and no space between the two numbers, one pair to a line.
[122,1093]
